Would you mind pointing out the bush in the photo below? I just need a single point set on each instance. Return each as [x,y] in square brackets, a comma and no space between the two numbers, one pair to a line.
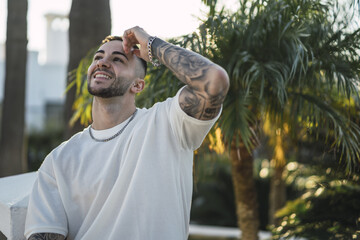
[40,144]
[331,210]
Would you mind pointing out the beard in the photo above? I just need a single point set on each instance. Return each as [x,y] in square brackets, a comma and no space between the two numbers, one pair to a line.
[117,89]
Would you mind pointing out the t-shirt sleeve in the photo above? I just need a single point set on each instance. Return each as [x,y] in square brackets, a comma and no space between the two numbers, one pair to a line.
[45,213]
[189,131]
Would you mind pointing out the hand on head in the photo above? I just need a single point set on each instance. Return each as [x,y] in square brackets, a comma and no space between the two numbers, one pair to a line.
[133,36]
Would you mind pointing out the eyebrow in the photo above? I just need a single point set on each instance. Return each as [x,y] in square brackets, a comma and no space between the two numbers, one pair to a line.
[114,53]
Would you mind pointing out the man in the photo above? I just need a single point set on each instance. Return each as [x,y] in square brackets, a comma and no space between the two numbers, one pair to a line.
[129,175]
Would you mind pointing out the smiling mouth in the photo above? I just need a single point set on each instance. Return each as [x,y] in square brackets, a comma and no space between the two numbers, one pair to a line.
[102,75]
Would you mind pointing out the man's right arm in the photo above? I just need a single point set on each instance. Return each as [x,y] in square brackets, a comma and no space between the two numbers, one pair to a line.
[46,236]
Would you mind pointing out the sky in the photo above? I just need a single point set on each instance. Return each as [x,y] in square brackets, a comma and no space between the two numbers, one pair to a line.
[162,18]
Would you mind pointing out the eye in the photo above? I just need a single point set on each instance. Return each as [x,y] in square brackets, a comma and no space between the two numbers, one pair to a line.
[116,59]
[97,57]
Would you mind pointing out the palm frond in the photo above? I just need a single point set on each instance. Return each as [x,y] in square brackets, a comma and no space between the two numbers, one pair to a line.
[319,115]
[83,100]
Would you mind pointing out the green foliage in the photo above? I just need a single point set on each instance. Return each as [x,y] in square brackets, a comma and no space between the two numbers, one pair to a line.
[328,205]
[330,210]
[213,199]
[40,144]
[83,99]
[288,59]
[160,83]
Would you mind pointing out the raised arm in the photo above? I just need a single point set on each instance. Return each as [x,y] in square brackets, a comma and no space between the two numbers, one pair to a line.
[46,236]
[207,83]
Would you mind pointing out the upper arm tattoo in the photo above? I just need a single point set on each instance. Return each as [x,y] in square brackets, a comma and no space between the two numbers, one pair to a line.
[199,106]
[46,236]
[197,100]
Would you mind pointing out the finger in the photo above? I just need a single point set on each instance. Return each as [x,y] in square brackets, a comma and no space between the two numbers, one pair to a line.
[137,52]
[125,45]
[126,41]
[129,40]
[128,45]
[131,35]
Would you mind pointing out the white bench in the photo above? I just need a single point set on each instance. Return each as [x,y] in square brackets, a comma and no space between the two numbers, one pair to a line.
[222,232]
[14,197]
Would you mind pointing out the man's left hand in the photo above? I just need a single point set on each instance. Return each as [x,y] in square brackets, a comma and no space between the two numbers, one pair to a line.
[133,36]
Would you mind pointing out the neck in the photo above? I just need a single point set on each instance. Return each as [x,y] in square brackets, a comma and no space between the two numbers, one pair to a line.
[109,112]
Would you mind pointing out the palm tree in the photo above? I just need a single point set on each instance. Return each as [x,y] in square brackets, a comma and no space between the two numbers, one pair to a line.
[90,22]
[12,159]
[286,60]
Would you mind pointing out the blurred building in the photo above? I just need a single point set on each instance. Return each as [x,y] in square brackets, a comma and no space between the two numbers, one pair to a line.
[45,77]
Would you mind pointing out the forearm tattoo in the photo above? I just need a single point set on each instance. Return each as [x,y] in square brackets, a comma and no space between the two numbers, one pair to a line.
[195,71]
[46,236]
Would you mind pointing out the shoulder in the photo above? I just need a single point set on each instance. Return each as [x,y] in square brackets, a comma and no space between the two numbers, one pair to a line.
[157,108]
[65,148]
[72,142]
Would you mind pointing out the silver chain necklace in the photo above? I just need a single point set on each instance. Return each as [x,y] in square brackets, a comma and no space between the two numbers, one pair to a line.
[116,134]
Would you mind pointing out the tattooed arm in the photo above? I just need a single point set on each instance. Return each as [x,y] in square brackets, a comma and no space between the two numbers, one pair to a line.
[207,83]
[46,236]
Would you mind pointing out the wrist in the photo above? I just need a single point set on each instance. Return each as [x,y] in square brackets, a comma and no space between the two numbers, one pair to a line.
[150,48]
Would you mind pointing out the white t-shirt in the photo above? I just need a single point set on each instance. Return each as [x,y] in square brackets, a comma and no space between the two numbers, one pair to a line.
[137,186]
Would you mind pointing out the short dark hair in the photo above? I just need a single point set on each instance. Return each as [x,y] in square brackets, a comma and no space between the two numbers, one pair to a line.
[117,38]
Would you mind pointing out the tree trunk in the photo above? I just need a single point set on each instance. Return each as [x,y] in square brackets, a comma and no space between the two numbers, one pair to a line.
[277,194]
[245,193]
[90,22]
[12,158]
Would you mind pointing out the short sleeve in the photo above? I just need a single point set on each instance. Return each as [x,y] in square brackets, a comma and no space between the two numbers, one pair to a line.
[45,210]
[188,130]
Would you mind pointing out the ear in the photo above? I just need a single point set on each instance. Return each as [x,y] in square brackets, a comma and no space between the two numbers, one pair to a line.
[137,86]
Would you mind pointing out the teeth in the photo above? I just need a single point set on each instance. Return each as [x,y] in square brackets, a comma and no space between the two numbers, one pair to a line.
[102,76]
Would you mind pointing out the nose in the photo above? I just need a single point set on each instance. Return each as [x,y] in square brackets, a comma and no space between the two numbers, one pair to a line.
[102,63]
